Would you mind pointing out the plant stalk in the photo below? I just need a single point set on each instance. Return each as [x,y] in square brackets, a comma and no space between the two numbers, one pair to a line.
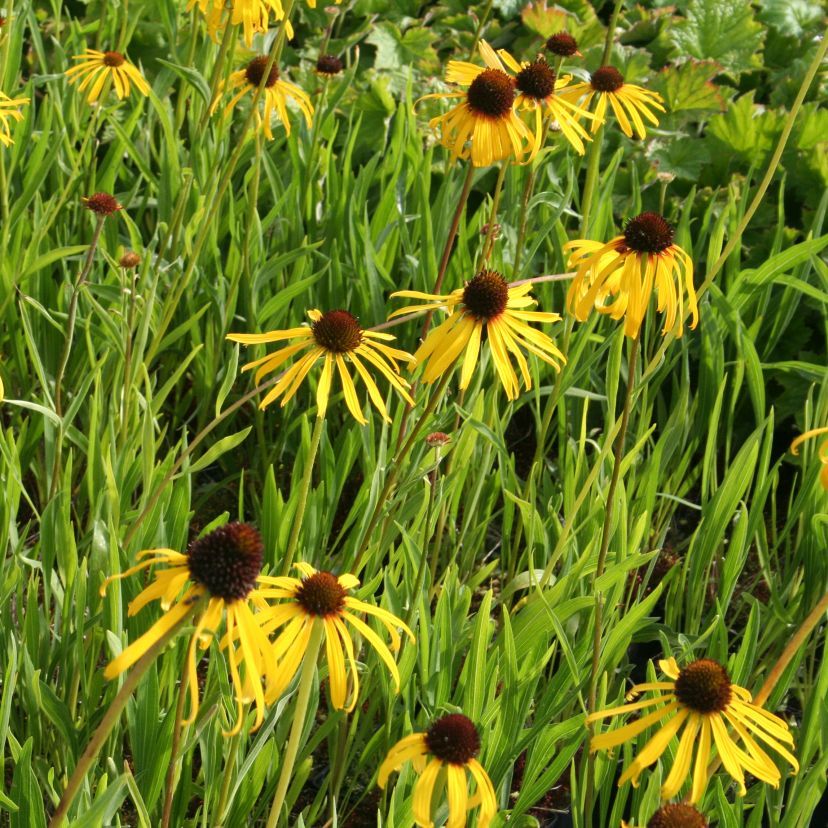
[396,463]
[111,718]
[178,727]
[299,714]
[602,558]
[304,488]
[67,347]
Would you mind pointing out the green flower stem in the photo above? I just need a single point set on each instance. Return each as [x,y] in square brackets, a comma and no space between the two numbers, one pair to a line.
[304,488]
[425,563]
[528,189]
[178,728]
[602,558]
[611,32]
[227,779]
[478,32]
[593,166]
[218,70]
[67,347]
[184,92]
[307,199]
[546,422]
[126,397]
[488,244]
[441,273]
[299,715]
[396,464]
[215,197]
[452,235]
[111,718]
[198,439]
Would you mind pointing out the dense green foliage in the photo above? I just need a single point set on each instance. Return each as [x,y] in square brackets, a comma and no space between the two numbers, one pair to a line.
[719,537]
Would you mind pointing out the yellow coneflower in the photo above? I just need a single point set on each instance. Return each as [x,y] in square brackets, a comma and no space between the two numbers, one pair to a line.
[453,743]
[538,89]
[275,94]
[702,700]
[618,278]
[628,101]
[485,126]
[221,567]
[9,108]
[98,66]
[337,338]
[486,304]
[322,598]
[823,451]
[253,15]
[676,815]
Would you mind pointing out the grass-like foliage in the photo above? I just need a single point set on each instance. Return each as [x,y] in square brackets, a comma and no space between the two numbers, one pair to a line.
[398,402]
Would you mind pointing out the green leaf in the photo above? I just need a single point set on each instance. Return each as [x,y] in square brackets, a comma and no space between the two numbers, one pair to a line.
[191,76]
[396,50]
[215,451]
[745,129]
[684,158]
[721,30]
[790,17]
[577,18]
[690,86]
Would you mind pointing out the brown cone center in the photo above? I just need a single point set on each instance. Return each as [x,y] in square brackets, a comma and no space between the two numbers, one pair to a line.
[562,44]
[677,815]
[328,65]
[321,595]
[607,79]
[537,80]
[337,331]
[227,561]
[255,72]
[485,296]
[492,93]
[453,739]
[704,686]
[648,233]
[113,59]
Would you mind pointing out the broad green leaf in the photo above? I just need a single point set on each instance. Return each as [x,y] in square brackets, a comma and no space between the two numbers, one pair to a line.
[689,86]
[790,17]
[721,30]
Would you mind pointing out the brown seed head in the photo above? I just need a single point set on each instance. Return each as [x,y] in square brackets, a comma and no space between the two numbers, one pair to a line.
[562,44]
[704,686]
[113,59]
[329,65]
[337,331]
[606,79]
[648,233]
[437,439]
[677,815]
[492,94]
[103,204]
[537,80]
[321,595]
[485,296]
[227,561]
[453,739]
[129,260]
[255,72]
